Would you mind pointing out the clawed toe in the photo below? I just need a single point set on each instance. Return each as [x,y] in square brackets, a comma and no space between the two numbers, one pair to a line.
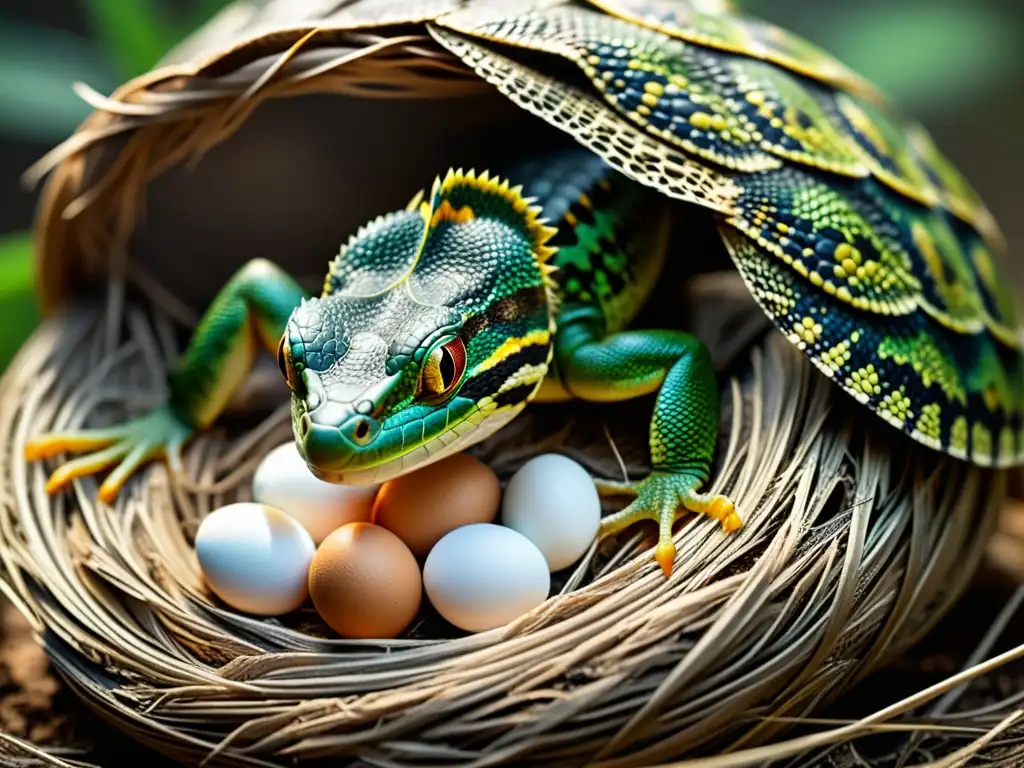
[663,497]
[718,508]
[665,554]
[83,466]
[48,446]
[125,448]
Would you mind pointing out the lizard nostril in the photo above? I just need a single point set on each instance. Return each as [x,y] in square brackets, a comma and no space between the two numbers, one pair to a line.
[362,430]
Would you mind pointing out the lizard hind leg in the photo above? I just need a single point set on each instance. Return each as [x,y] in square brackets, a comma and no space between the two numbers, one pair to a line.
[683,429]
[251,311]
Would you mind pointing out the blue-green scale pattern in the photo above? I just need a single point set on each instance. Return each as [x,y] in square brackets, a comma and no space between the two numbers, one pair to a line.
[837,195]
[908,368]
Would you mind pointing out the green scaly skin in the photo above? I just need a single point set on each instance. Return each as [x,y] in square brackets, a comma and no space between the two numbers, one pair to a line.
[437,325]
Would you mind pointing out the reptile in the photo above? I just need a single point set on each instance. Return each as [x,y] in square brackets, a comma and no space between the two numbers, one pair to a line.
[438,323]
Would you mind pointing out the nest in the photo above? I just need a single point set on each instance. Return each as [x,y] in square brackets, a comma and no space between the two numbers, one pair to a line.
[856,541]
[847,557]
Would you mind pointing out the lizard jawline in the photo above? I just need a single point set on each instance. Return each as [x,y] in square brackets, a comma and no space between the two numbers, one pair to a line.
[426,454]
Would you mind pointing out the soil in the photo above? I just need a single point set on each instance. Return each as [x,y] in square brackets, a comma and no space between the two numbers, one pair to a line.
[35,706]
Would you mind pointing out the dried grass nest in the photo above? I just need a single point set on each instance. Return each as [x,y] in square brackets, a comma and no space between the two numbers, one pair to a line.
[856,542]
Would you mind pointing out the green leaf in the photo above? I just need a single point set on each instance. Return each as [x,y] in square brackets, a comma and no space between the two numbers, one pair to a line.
[19,311]
[37,69]
[134,33]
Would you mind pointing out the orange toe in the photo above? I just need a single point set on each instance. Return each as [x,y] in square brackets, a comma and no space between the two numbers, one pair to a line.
[48,447]
[56,483]
[38,450]
[724,510]
[108,494]
[732,523]
[665,554]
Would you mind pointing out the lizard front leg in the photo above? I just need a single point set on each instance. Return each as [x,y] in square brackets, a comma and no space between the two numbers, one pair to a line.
[683,430]
[250,312]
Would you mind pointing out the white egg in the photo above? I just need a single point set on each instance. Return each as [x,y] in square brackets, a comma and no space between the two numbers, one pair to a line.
[284,481]
[483,576]
[255,558]
[552,501]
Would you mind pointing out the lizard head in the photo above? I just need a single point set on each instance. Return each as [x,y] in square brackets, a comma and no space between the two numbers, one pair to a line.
[434,329]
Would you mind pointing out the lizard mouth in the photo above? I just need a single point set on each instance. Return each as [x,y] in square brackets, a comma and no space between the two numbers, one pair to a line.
[364,451]
[358,452]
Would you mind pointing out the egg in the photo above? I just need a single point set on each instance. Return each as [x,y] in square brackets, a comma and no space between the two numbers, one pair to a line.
[424,505]
[255,558]
[552,501]
[284,481]
[483,576]
[365,583]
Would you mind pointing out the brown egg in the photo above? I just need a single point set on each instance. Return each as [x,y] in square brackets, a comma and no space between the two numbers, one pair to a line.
[421,507]
[365,583]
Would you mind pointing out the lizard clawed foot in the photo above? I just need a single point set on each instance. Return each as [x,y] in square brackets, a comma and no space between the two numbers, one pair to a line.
[664,497]
[125,447]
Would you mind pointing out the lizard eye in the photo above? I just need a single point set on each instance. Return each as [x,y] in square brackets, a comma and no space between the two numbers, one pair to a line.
[284,362]
[443,369]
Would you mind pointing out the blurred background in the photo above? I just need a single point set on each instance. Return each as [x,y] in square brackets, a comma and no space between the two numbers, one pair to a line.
[954,64]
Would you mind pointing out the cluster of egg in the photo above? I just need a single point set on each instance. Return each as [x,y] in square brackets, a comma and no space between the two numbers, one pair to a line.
[366,555]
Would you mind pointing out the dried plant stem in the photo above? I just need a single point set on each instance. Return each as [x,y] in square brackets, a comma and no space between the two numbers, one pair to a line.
[619,668]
